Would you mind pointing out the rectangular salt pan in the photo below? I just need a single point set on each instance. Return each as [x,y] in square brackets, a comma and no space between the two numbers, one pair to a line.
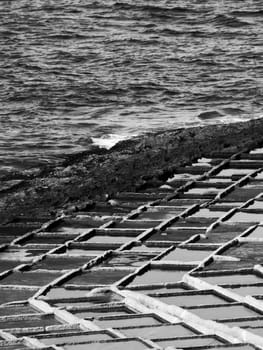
[147,248]
[47,239]
[149,290]
[18,309]
[61,262]
[141,224]
[129,259]
[246,322]
[232,279]
[75,338]
[187,255]
[68,230]
[223,312]
[121,345]
[109,239]
[202,191]
[159,276]
[192,300]
[90,301]
[248,290]
[25,254]
[159,332]
[35,278]
[189,342]
[246,217]
[172,235]
[28,322]
[64,293]
[219,237]
[159,215]
[85,252]
[218,179]
[248,253]
[99,277]
[8,265]
[208,213]
[119,322]
[233,171]
[10,295]
[13,346]
[116,311]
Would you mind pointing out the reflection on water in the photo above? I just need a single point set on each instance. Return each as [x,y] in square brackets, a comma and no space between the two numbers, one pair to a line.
[72,70]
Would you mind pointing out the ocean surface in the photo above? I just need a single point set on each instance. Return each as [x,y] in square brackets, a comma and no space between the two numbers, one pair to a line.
[78,72]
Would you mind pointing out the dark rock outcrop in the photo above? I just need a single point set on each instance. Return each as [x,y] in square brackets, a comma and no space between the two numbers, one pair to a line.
[129,165]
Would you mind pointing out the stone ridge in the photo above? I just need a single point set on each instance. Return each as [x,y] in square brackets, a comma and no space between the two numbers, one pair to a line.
[174,265]
[129,166]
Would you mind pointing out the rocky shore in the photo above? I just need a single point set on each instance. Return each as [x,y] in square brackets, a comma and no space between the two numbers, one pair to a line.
[132,165]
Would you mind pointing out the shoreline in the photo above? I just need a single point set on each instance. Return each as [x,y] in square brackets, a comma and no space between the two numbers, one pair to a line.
[131,165]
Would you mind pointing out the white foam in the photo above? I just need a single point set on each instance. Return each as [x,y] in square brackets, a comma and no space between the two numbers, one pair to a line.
[108,141]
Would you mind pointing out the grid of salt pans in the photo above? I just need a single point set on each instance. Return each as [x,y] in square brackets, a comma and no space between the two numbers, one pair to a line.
[176,266]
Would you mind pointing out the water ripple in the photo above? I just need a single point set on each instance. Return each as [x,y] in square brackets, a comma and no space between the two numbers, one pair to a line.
[76,70]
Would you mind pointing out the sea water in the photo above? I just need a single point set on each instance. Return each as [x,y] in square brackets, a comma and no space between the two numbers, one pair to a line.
[81,72]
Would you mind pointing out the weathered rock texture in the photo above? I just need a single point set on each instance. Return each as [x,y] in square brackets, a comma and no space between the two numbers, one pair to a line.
[130,165]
